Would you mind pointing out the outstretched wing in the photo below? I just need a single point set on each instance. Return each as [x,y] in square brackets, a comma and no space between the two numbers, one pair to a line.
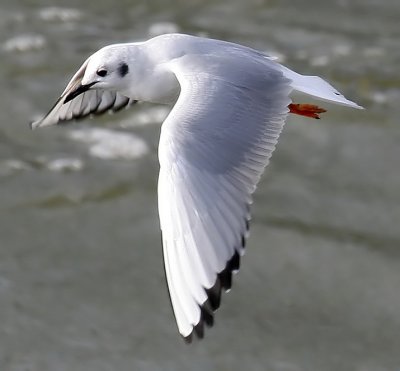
[214,146]
[91,102]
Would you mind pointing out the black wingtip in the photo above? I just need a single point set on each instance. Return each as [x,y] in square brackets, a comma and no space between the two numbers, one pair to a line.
[234,263]
[214,293]
[199,330]
[188,339]
[225,278]
[223,281]
[232,266]
[206,318]
[243,241]
[206,315]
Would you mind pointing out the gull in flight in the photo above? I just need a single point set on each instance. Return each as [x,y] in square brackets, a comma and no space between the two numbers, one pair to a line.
[231,103]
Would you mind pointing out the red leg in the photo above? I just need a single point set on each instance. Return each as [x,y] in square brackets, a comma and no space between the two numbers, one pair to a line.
[308,110]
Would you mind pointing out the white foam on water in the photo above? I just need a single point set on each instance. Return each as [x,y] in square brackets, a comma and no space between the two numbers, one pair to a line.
[59,14]
[386,96]
[110,144]
[342,49]
[65,164]
[320,61]
[24,43]
[149,116]
[10,166]
[374,52]
[160,28]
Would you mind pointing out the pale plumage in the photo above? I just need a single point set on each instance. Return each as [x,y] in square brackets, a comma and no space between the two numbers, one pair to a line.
[214,145]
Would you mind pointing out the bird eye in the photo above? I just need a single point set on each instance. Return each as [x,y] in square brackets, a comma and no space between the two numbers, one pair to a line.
[102,72]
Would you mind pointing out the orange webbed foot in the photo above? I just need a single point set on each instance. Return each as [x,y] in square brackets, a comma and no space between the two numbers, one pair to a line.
[308,110]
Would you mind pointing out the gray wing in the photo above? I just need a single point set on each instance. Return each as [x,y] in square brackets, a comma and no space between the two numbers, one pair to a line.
[214,146]
[91,102]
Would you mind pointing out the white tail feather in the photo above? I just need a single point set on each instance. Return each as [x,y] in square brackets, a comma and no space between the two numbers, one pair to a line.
[317,87]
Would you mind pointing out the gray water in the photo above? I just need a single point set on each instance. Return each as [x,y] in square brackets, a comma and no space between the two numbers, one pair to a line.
[81,277]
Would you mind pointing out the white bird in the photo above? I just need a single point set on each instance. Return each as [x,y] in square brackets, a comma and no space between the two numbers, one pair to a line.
[231,105]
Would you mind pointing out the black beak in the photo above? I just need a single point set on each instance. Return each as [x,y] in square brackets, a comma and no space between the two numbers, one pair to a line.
[78,91]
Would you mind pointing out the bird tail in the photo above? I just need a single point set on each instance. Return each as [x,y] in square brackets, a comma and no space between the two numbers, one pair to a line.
[317,87]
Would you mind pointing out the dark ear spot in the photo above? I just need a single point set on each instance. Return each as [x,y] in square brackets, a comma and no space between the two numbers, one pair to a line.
[123,69]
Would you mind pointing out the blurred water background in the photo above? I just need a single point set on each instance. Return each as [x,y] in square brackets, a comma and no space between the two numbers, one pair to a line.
[81,277]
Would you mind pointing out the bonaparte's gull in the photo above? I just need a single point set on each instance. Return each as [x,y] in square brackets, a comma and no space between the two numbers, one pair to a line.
[231,105]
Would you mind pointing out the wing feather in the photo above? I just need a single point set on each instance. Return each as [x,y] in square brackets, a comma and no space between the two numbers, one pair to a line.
[91,102]
[214,146]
